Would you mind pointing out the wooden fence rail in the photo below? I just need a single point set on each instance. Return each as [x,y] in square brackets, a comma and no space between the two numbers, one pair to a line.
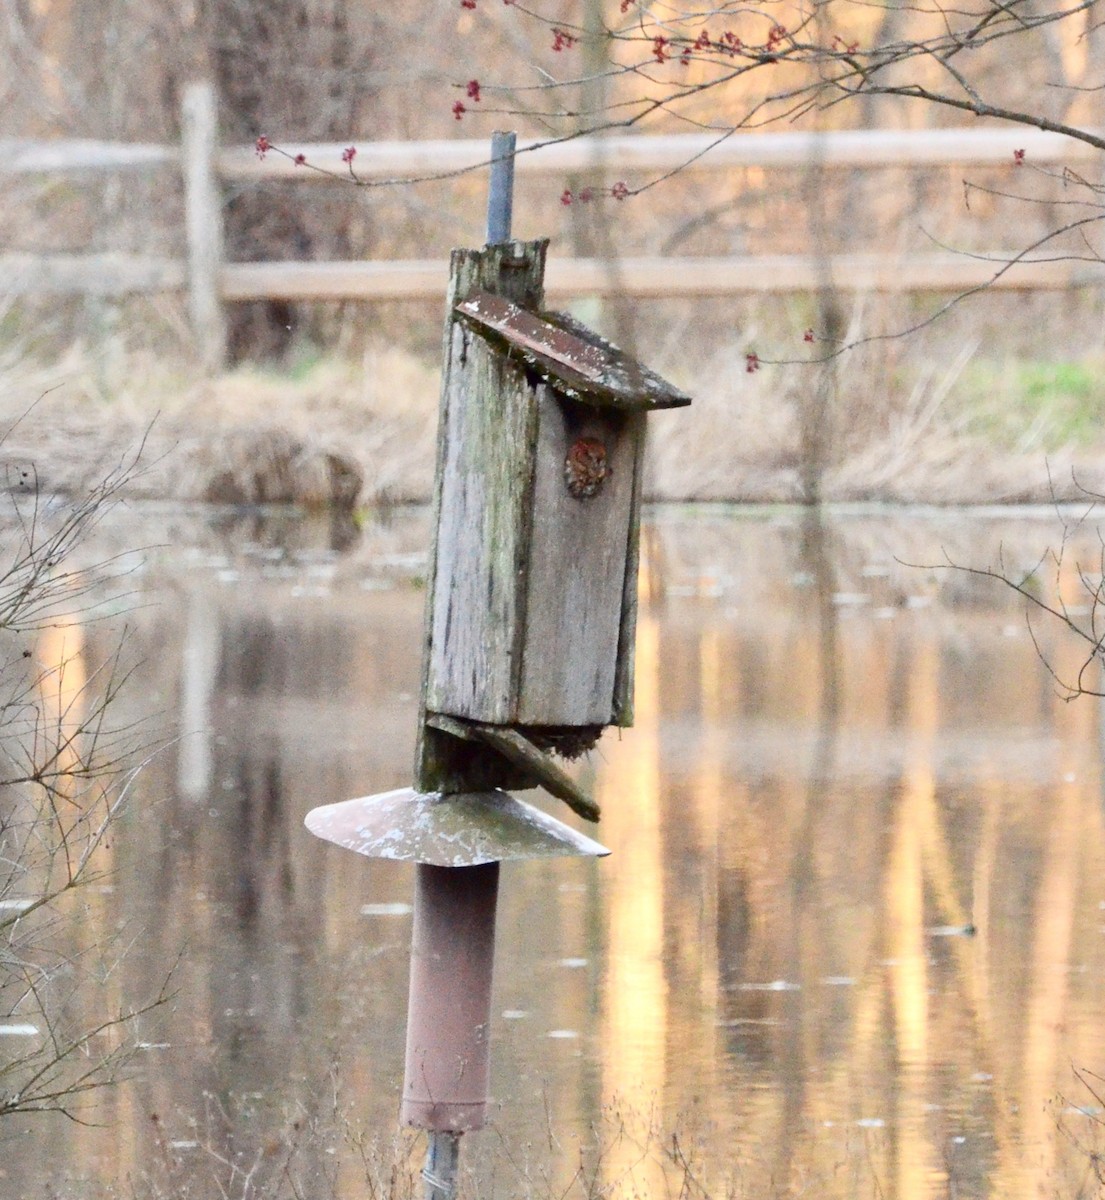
[212,282]
[114,275]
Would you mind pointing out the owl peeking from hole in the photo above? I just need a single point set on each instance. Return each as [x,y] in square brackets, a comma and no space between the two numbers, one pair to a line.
[585,468]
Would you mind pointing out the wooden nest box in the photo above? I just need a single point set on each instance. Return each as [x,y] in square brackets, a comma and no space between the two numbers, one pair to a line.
[532,600]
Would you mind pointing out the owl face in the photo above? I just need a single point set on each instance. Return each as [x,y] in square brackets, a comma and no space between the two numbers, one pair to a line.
[585,468]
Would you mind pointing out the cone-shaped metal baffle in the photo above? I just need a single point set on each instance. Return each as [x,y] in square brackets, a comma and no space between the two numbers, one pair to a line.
[457,840]
[448,829]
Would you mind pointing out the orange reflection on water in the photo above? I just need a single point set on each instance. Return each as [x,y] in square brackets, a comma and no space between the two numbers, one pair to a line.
[922,1062]
[918,1161]
[635,1024]
[849,941]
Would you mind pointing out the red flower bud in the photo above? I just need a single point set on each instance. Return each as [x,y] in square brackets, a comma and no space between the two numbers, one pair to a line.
[730,43]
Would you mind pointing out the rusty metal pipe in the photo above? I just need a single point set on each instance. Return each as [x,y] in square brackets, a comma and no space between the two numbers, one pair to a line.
[448,1061]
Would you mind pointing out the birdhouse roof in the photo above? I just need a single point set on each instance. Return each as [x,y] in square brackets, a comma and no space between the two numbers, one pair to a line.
[569,356]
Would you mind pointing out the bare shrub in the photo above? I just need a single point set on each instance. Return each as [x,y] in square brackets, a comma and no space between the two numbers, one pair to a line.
[65,774]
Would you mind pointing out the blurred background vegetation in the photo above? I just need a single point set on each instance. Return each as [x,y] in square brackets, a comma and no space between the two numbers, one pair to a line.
[967,409]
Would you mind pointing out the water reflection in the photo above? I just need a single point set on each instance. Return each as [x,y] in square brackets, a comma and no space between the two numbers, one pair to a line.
[850,939]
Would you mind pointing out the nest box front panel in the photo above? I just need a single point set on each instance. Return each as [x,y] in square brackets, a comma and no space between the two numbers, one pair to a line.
[583,504]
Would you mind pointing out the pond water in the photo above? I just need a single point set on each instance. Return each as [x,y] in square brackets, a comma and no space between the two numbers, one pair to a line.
[850,940]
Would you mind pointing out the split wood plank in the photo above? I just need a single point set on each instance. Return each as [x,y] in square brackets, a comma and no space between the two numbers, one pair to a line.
[978,145]
[474,622]
[107,274]
[521,751]
[647,278]
[670,278]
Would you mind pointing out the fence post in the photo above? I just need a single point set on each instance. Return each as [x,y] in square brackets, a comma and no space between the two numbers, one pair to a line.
[204,222]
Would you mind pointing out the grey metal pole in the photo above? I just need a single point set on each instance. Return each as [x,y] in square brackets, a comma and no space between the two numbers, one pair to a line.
[500,193]
[443,1150]
[440,1171]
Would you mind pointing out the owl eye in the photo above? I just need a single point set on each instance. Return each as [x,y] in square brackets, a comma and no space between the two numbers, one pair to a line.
[585,468]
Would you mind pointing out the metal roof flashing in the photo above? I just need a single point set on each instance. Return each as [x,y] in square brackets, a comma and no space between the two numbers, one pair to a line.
[570,357]
[455,829]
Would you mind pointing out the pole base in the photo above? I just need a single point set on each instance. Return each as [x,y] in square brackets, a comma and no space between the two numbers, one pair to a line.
[440,1171]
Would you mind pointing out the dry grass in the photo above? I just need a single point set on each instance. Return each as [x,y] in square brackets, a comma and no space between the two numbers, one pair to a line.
[905,419]
[626,1153]
[315,433]
[941,418]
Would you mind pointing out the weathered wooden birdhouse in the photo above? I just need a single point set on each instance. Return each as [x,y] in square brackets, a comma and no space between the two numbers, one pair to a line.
[533,592]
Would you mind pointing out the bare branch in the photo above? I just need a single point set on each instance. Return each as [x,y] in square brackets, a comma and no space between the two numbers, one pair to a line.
[71,772]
